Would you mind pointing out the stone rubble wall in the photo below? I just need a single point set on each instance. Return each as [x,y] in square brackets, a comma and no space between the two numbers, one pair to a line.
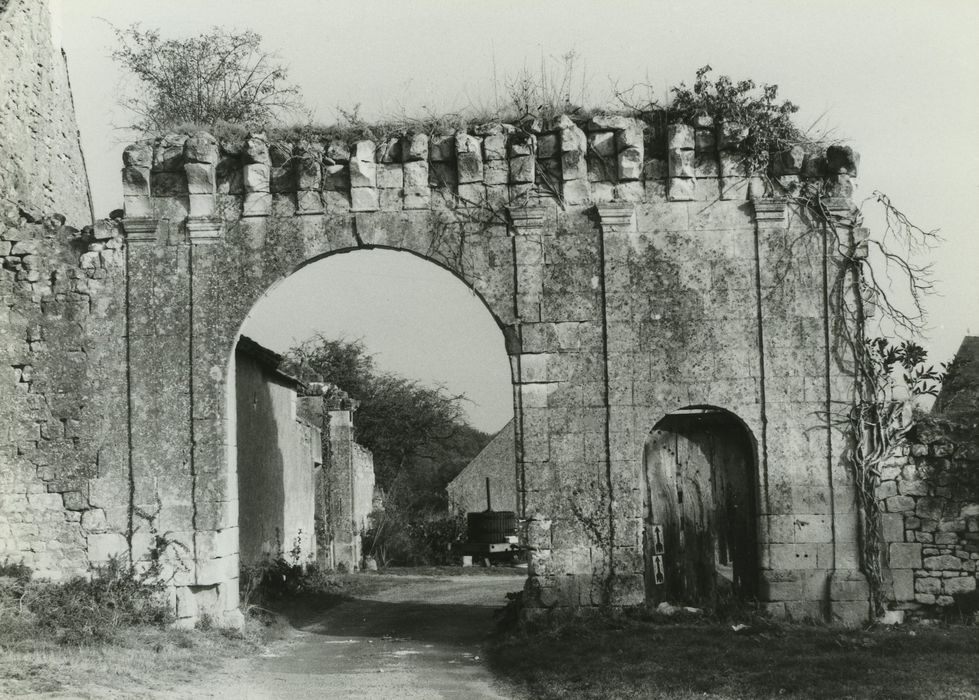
[64,488]
[42,168]
[931,530]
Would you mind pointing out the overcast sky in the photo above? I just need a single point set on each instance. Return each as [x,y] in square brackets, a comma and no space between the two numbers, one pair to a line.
[898,78]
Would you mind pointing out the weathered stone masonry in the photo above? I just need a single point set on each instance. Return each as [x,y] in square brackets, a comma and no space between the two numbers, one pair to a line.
[931,530]
[42,169]
[633,271]
[623,291]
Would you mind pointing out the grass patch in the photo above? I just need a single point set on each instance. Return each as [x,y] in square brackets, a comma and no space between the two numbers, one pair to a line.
[140,660]
[655,657]
[110,633]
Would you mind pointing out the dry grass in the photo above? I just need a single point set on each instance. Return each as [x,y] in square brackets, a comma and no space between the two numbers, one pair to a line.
[143,661]
[668,659]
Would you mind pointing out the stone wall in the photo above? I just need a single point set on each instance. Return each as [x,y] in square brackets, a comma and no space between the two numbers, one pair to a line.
[278,451]
[931,527]
[348,484]
[363,490]
[64,487]
[42,169]
[498,462]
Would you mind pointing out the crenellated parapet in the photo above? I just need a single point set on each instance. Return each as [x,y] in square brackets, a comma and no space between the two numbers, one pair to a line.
[602,159]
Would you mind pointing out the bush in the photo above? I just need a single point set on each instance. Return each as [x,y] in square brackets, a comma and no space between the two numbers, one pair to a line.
[81,610]
[414,539]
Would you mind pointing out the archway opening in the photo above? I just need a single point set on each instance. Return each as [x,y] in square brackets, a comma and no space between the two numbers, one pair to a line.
[700,515]
[317,477]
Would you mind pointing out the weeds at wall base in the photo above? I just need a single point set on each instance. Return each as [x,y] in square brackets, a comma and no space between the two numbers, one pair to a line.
[80,611]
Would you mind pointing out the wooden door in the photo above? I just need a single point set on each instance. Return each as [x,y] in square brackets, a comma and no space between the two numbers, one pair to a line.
[700,514]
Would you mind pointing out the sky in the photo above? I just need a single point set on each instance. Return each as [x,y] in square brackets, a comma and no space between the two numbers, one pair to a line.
[897,78]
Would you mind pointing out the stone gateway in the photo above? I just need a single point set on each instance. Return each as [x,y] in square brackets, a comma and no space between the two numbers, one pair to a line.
[646,288]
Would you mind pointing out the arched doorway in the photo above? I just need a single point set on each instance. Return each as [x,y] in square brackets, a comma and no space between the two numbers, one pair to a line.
[700,514]
[421,322]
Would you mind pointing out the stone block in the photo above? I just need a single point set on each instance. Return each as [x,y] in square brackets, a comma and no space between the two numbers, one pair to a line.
[255,177]
[415,175]
[682,189]
[417,198]
[364,199]
[136,181]
[522,170]
[309,175]
[202,147]
[390,198]
[469,159]
[902,581]
[533,395]
[848,585]
[533,368]
[138,155]
[212,544]
[681,163]
[899,504]
[680,136]
[792,556]
[942,562]
[630,164]
[392,175]
[733,165]
[214,571]
[959,585]
[309,202]
[362,168]
[104,546]
[202,205]
[471,193]
[775,587]
[415,148]
[441,148]
[495,146]
[336,177]
[904,555]
[893,527]
[337,202]
[576,191]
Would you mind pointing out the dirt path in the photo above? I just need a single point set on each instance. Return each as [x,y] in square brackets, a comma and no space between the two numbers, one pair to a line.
[421,638]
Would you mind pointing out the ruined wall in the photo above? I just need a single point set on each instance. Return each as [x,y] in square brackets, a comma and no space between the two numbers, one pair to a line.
[277,454]
[633,269]
[42,170]
[930,527]
[498,461]
[63,403]
[363,488]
